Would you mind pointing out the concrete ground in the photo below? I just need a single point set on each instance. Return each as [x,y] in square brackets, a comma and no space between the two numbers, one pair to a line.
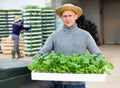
[112,52]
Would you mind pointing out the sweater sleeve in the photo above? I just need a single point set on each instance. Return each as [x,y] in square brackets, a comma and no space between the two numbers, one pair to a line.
[92,46]
[25,28]
[48,46]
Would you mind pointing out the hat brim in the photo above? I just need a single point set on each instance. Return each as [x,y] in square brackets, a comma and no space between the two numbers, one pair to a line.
[75,9]
[18,19]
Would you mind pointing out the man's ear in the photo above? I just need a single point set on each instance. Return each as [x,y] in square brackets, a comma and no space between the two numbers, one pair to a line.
[76,17]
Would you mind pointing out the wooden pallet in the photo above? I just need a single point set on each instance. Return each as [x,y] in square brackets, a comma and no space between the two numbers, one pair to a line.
[7,45]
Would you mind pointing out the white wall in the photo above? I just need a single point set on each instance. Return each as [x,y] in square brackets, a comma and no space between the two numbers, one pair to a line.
[19,4]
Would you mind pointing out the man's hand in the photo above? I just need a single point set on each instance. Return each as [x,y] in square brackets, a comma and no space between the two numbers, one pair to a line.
[22,21]
[30,26]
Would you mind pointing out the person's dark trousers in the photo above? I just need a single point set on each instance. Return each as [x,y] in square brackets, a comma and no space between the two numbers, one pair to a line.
[15,42]
[15,46]
[59,85]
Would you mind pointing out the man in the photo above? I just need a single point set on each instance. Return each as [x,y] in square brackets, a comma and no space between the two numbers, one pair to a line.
[17,26]
[70,39]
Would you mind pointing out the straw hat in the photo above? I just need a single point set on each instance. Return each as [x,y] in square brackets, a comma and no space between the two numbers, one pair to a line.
[17,18]
[69,7]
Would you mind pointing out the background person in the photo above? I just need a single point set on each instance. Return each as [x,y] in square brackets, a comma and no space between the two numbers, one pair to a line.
[17,26]
[70,39]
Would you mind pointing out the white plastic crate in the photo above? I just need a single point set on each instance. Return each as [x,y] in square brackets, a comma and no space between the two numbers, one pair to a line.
[68,77]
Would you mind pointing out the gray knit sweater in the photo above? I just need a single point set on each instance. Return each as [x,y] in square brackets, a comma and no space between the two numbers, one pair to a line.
[70,40]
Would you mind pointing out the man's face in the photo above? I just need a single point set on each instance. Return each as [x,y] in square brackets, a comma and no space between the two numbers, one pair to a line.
[69,18]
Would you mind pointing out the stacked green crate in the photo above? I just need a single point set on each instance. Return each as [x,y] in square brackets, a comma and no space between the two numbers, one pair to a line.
[3,24]
[6,20]
[33,37]
[48,22]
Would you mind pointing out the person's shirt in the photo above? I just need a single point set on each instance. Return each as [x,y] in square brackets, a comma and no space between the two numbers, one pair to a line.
[17,27]
[70,40]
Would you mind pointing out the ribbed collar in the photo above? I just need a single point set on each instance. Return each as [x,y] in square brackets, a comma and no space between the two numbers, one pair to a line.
[70,29]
